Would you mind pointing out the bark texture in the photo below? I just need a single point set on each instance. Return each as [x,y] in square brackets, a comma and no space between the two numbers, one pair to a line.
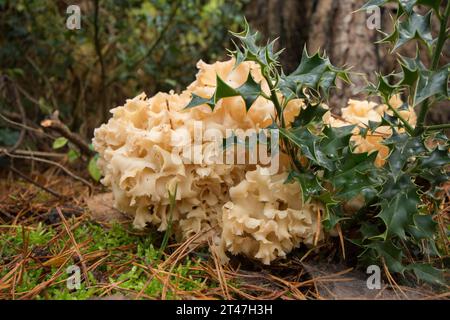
[333,26]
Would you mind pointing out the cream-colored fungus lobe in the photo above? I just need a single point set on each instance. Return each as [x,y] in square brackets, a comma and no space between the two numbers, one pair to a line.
[150,147]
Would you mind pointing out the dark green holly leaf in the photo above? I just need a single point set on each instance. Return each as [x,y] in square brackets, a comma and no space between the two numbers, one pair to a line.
[427,273]
[415,26]
[251,51]
[315,72]
[424,227]
[356,175]
[309,183]
[336,139]
[404,148]
[398,213]
[432,83]
[250,91]
[438,158]
[223,90]
[197,101]
[333,212]
[384,87]
[369,230]
[410,73]
[392,255]
[308,142]
[312,113]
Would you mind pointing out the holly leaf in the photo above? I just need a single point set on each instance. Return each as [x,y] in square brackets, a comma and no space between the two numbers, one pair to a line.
[432,83]
[197,101]
[415,26]
[390,253]
[250,91]
[427,273]
[438,158]
[398,213]
[315,72]
[309,183]
[308,143]
[355,176]
[249,50]
[404,5]
[333,212]
[424,227]
[404,148]
[312,113]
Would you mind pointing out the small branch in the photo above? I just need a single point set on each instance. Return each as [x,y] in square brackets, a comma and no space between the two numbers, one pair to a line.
[67,171]
[408,127]
[38,153]
[437,127]
[55,124]
[54,193]
[442,37]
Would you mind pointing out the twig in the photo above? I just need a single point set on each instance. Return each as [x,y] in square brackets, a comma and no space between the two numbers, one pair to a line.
[67,171]
[54,193]
[39,153]
[55,124]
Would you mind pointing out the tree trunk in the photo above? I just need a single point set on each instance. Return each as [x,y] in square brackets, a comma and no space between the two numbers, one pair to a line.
[333,26]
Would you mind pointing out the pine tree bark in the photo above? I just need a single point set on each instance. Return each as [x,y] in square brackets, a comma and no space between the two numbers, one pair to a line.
[333,26]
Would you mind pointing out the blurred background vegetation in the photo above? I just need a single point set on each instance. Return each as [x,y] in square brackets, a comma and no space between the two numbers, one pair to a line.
[124,47]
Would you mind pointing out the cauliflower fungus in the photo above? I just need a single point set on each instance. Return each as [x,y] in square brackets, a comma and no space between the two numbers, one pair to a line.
[150,147]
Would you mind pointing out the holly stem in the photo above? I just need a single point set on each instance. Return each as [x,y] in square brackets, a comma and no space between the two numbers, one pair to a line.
[442,37]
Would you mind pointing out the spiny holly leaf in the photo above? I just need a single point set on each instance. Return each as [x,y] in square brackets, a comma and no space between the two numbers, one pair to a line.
[355,175]
[398,213]
[403,149]
[408,5]
[410,70]
[307,142]
[315,72]
[251,51]
[312,113]
[404,5]
[415,26]
[424,227]
[427,273]
[369,230]
[223,90]
[250,91]
[432,83]
[309,183]
[390,253]
[383,87]
[438,158]
[336,140]
[197,101]
[333,212]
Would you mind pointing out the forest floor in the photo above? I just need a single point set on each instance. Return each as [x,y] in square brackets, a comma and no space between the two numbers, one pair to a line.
[43,232]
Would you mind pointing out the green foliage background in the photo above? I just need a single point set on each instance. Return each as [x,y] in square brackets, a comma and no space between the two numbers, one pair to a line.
[123,48]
